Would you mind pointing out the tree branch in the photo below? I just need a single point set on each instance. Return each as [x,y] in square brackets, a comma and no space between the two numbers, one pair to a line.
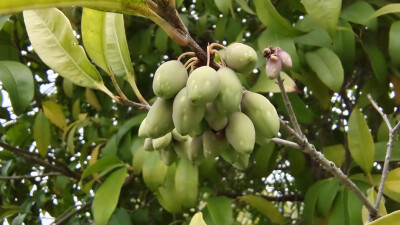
[389,149]
[35,158]
[65,217]
[317,156]
[24,177]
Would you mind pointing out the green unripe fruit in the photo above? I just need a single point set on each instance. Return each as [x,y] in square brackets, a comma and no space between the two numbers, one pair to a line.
[213,144]
[240,133]
[182,148]
[195,152]
[154,171]
[167,195]
[263,115]
[186,182]
[203,85]
[162,142]
[230,155]
[179,137]
[168,155]
[214,119]
[230,95]
[186,116]
[159,119]
[142,132]
[148,144]
[241,58]
[241,162]
[169,79]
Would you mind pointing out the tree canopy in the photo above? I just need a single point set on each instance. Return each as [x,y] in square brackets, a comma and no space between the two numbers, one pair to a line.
[79,96]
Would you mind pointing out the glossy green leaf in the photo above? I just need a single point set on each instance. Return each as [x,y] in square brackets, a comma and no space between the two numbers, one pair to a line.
[335,153]
[128,125]
[316,37]
[270,17]
[54,113]
[389,8]
[324,13]
[223,5]
[310,202]
[372,197]
[116,46]
[326,196]
[389,219]
[265,160]
[381,148]
[161,40]
[106,197]
[121,217]
[345,45]
[297,161]
[326,64]
[42,133]
[52,38]
[17,80]
[360,141]
[243,5]
[220,209]
[393,180]
[265,207]
[136,7]
[339,213]
[93,35]
[71,141]
[394,43]
[265,85]
[359,12]
[269,37]
[354,207]
[103,164]
[197,219]
[378,63]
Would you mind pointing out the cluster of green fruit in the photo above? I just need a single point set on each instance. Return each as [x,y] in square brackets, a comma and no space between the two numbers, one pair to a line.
[208,113]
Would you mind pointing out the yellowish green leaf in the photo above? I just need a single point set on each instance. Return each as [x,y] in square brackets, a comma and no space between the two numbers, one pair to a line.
[54,113]
[265,207]
[42,133]
[92,99]
[197,219]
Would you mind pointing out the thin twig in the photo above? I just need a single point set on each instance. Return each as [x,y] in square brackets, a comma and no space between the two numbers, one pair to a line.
[286,143]
[24,177]
[35,158]
[389,149]
[68,216]
[289,107]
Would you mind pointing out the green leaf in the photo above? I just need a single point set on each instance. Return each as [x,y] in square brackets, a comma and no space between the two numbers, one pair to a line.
[265,85]
[93,35]
[265,160]
[243,5]
[270,17]
[390,219]
[54,113]
[106,197]
[197,219]
[116,46]
[394,42]
[42,133]
[345,45]
[265,207]
[360,141]
[310,201]
[326,196]
[161,40]
[316,37]
[128,126]
[17,80]
[339,213]
[220,209]
[393,180]
[389,8]
[359,12]
[378,63]
[135,7]
[326,64]
[121,217]
[223,5]
[335,153]
[381,148]
[104,164]
[324,13]
[3,19]
[271,38]
[52,38]
[70,140]
[372,197]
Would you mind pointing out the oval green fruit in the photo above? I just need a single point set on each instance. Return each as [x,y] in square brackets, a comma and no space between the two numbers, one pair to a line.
[230,155]
[195,152]
[168,155]
[182,148]
[240,133]
[214,119]
[148,144]
[203,85]
[263,115]
[167,195]
[159,119]
[185,115]
[213,144]
[154,171]
[162,142]
[142,132]
[230,95]
[241,162]
[179,137]
[241,58]
[169,79]
[186,182]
